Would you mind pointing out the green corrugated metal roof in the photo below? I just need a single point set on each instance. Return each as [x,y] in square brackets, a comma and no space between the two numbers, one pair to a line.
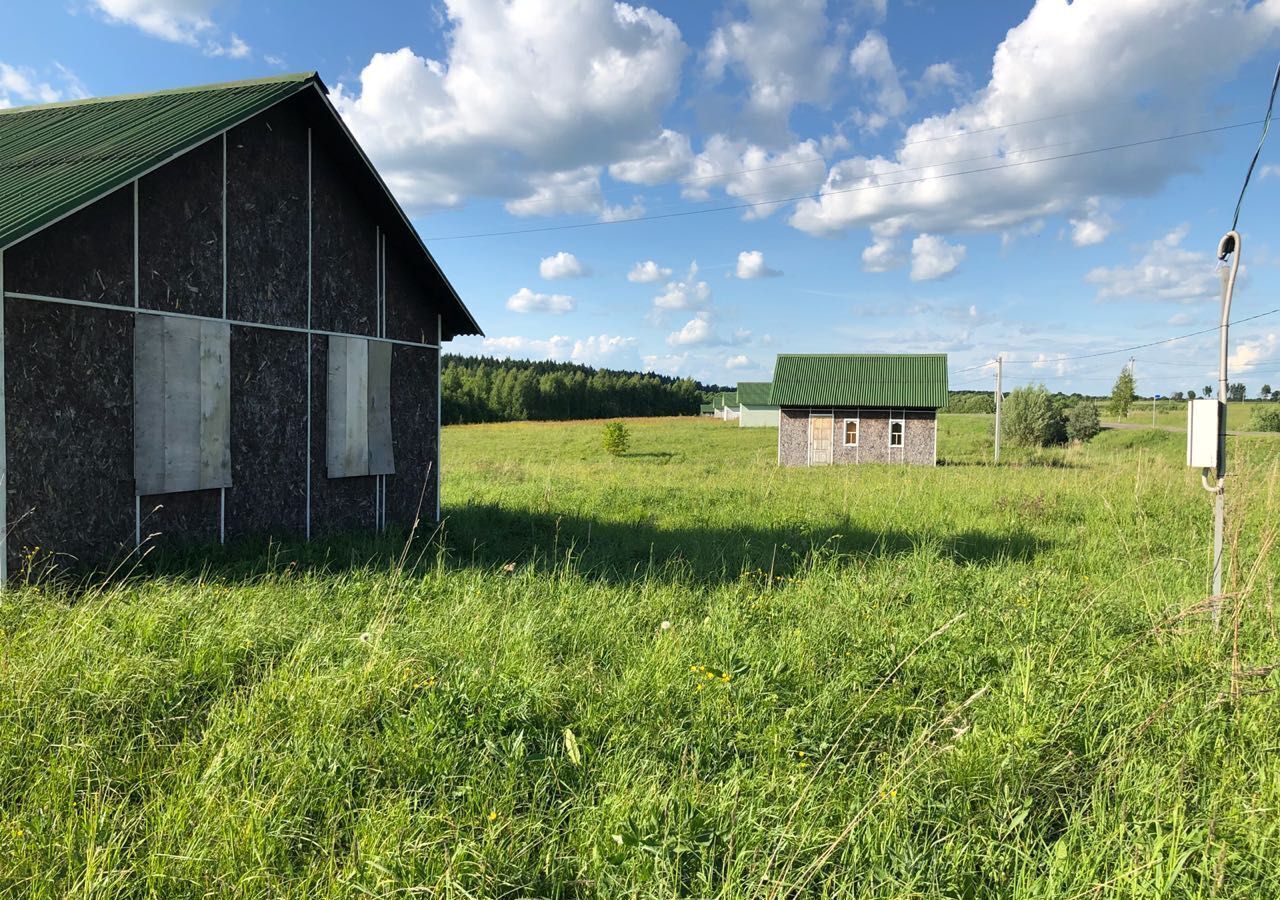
[57,157]
[860,379]
[754,393]
[726,398]
[706,408]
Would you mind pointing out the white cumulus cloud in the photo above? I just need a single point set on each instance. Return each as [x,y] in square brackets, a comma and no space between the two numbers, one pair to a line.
[187,22]
[647,272]
[525,91]
[932,257]
[684,294]
[751,265]
[1076,77]
[781,50]
[697,330]
[1166,271]
[1249,354]
[527,301]
[738,361]
[561,265]
[872,62]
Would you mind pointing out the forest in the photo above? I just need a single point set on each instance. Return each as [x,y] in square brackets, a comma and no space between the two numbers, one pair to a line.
[485,389]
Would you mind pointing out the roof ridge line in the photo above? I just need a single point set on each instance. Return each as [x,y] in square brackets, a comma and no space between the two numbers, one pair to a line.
[291,78]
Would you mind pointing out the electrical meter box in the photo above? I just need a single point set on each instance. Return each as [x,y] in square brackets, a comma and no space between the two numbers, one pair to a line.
[1202,433]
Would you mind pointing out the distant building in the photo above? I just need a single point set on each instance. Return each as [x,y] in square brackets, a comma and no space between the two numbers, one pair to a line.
[755,410]
[858,408]
[707,409]
[217,324]
[727,405]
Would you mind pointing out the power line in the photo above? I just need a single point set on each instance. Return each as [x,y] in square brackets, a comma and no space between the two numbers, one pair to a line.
[1057,359]
[1266,126]
[857,189]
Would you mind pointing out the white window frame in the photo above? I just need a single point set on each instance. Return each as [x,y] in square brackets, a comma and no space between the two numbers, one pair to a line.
[902,423]
[844,433]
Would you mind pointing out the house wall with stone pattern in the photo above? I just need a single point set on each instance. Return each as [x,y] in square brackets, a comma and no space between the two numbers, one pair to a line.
[919,436]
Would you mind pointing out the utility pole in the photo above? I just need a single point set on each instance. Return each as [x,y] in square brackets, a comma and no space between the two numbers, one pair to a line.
[1228,246]
[1132,380]
[999,400]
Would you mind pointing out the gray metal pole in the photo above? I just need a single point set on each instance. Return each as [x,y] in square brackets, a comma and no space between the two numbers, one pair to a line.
[999,400]
[1228,246]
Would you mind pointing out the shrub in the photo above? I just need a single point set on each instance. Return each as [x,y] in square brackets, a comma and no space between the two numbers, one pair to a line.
[1031,418]
[972,403]
[1265,420]
[1083,421]
[616,438]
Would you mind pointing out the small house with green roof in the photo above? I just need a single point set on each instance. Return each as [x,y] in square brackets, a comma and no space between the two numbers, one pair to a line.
[727,405]
[217,323]
[841,409]
[754,408]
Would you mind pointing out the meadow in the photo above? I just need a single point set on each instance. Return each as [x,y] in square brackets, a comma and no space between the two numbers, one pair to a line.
[679,672]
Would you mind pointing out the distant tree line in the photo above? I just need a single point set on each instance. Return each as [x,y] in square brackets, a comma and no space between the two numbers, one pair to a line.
[485,389]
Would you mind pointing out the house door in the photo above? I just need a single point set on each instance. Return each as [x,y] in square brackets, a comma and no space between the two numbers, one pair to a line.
[820,427]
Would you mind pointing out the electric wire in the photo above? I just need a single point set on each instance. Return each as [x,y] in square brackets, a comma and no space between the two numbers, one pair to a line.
[1266,127]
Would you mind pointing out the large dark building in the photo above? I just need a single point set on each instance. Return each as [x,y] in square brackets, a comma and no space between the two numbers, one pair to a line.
[217,323]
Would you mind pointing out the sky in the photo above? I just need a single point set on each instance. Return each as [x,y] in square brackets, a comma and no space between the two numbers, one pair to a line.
[693,188]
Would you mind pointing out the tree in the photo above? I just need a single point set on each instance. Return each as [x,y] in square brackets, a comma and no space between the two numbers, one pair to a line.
[1030,417]
[1178,396]
[1191,395]
[1236,392]
[1265,393]
[1122,394]
[1083,421]
[616,438]
[1207,392]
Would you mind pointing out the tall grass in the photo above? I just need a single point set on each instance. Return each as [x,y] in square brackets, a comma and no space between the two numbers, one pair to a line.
[682,672]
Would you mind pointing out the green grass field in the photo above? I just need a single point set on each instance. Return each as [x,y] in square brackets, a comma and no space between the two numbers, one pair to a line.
[683,672]
[1175,414]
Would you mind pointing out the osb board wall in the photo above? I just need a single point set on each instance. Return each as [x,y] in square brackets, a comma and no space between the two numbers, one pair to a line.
[411,491]
[343,255]
[69,427]
[411,305]
[267,217]
[337,504]
[178,518]
[180,233]
[267,497]
[86,256]
[873,437]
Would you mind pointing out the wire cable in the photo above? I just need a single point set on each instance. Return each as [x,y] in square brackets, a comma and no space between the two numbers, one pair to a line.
[1213,330]
[1266,126]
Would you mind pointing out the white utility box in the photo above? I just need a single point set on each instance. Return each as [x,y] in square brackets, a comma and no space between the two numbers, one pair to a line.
[1202,433]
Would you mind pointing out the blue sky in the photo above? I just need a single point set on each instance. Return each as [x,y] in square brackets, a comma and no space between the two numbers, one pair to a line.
[852,128]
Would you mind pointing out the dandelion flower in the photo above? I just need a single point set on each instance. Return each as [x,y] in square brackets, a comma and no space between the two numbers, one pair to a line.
[493,814]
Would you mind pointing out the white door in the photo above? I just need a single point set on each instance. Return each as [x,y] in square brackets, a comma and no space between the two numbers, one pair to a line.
[820,428]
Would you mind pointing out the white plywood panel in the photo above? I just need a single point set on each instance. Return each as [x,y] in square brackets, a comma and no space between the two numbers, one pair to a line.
[215,405]
[335,443]
[181,404]
[347,423]
[148,404]
[357,396]
[381,459]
